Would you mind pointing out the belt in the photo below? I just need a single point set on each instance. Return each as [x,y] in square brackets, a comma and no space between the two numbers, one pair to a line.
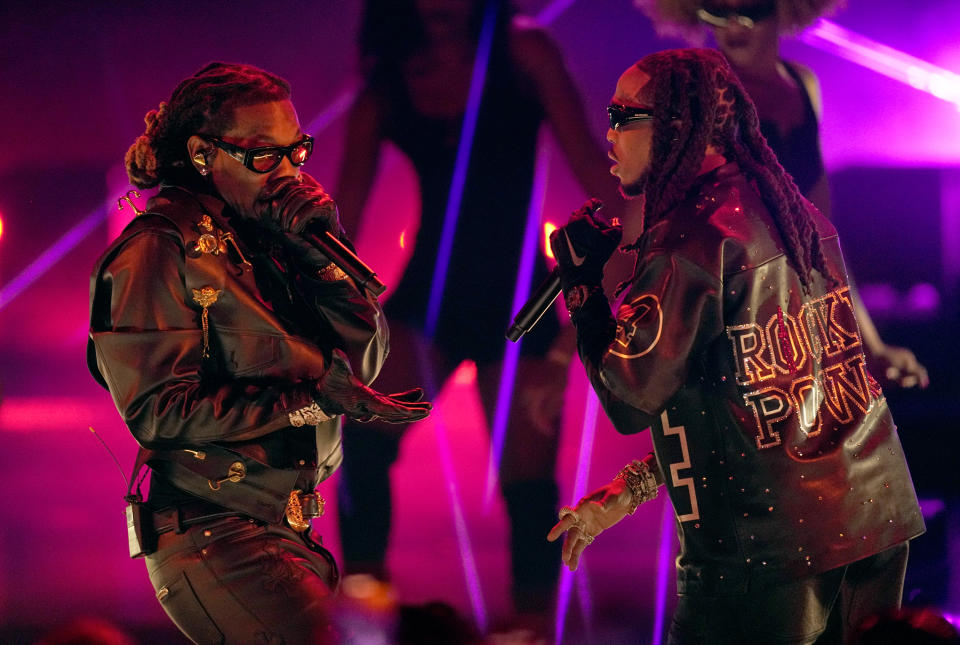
[178,518]
[301,508]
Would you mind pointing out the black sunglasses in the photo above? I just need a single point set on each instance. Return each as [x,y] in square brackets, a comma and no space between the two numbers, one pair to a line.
[746,16]
[264,159]
[620,115]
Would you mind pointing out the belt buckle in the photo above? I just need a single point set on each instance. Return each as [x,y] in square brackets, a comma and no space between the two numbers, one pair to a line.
[295,505]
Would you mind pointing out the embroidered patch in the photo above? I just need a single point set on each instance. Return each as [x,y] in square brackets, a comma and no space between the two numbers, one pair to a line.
[642,314]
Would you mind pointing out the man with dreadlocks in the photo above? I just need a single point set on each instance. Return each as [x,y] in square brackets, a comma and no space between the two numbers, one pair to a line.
[232,346]
[737,345]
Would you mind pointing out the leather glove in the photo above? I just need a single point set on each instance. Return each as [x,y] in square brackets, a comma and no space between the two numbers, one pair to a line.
[340,392]
[290,204]
[583,245]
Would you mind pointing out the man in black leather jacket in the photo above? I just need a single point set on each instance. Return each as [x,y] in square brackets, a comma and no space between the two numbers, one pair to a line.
[736,344]
[231,346]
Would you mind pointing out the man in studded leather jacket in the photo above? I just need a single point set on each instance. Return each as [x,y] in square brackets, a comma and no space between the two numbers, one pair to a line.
[231,347]
[737,345]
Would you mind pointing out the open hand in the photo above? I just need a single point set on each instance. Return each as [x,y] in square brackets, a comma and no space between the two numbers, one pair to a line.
[593,514]
[340,392]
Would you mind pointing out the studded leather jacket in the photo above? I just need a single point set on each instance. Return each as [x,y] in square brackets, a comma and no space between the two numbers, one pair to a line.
[776,445]
[211,338]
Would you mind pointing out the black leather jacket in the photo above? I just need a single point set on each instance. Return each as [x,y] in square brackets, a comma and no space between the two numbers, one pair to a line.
[777,447]
[211,353]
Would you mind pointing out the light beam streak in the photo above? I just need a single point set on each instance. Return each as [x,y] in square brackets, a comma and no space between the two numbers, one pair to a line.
[521,292]
[451,215]
[470,574]
[35,270]
[460,167]
[579,488]
[663,571]
[919,74]
[333,111]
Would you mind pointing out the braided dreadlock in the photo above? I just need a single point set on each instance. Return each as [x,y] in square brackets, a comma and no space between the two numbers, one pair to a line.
[203,103]
[698,101]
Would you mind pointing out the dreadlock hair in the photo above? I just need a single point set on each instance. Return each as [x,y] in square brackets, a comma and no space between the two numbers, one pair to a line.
[201,104]
[679,17]
[698,101]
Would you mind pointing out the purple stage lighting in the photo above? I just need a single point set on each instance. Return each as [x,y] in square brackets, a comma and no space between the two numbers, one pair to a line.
[54,254]
[885,60]
[521,292]
[462,163]
[470,574]
[333,111]
[579,488]
[664,553]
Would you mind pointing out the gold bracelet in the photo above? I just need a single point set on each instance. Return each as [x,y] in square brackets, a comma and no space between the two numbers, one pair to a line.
[641,481]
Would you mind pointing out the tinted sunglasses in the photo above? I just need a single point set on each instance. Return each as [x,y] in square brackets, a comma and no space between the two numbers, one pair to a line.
[266,158]
[746,16]
[621,115]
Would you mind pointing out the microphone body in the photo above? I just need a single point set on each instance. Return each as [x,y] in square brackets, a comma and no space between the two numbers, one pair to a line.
[347,260]
[536,306]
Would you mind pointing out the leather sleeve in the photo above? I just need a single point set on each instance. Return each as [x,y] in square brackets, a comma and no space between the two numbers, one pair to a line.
[670,312]
[338,314]
[353,317]
[596,329]
[148,348]
[638,360]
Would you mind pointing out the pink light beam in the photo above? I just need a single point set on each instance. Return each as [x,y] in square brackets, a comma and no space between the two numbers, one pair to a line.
[918,74]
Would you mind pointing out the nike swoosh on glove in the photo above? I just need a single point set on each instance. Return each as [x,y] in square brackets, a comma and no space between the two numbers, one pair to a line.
[583,245]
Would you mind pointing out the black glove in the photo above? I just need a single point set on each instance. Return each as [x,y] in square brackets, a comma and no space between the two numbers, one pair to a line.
[583,245]
[290,204]
[340,392]
[287,206]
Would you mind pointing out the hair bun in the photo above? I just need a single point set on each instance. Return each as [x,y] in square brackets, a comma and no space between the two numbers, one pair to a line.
[141,163]
[154,119]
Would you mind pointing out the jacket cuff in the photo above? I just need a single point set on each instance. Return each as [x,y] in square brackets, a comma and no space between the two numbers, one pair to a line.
[595,325]
[302,409]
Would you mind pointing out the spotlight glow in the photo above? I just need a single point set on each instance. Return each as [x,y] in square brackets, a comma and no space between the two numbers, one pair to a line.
[548,229]
[895,64]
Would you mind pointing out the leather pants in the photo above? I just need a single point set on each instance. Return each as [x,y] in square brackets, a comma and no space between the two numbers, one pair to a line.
[236,580]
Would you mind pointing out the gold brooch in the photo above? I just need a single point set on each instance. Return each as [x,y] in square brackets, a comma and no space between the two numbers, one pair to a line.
[209,241]
[206,296]
[135,193]
[214,241]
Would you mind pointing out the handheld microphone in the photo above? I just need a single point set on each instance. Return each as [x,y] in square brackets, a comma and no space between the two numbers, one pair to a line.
[536,306]
[549,289]
[347,260]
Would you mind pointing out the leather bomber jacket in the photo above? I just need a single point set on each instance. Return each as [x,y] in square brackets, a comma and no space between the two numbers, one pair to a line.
[777,447]
[211,348]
